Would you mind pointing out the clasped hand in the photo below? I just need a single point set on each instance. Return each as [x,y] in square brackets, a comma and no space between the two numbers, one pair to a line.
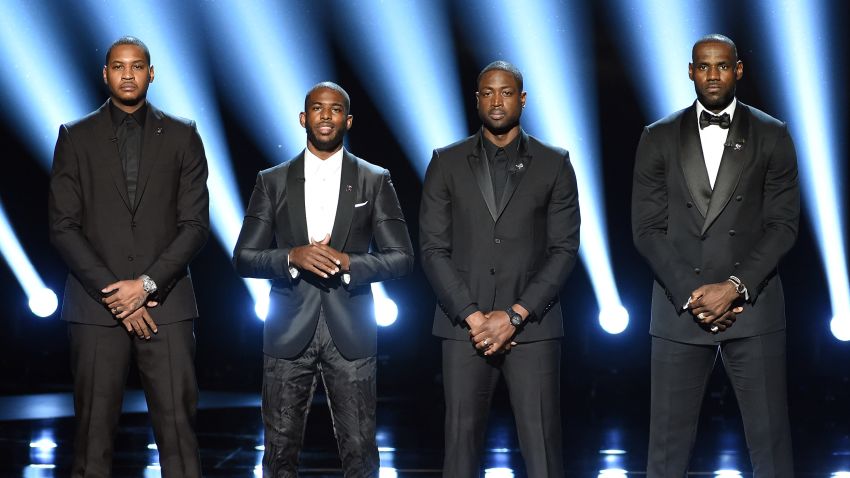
[319,258]
[491,332]
[715,305]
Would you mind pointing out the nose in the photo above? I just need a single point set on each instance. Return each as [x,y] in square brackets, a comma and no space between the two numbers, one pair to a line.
[496,100]
[713,73]
[325,113]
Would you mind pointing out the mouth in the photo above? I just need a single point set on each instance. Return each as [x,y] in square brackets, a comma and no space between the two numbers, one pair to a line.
[325,129]
[496,114]
[127,87]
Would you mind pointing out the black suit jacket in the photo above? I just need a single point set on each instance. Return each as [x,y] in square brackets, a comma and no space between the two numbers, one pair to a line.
[691,235]
[104,238]
[275,222]
[479,255]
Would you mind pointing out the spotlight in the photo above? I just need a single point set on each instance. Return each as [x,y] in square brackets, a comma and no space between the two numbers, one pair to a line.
[614,319]
[387,472]
[727,473]
[43,302]
[840,327]
[386,311]
[613,473]
[43,444]
[498,473]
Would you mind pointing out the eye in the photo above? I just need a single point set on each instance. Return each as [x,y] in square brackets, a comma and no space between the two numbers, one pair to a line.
[486,94]
[117,67]
[138,67]
[724,67]
[507,93]
[703,67]
[337,109]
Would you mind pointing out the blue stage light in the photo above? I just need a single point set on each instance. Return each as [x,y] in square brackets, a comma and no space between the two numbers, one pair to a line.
[386,310]
[42,301]
[548,42]
[180,89]
[498,473]
[727,473]
[387,472]
[271,50]
[612,473]
[403,52]
[656,36]
[40,89]
[805,48]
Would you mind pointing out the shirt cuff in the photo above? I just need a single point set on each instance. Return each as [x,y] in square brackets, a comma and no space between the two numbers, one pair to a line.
[346,278]
[293,272]
[467,311]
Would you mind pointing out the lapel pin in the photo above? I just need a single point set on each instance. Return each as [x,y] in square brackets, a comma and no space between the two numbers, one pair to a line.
[159,131]
[348,188]
[520,166]
[738,146]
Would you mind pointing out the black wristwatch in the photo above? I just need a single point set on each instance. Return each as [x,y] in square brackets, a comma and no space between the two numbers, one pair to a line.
[515,318]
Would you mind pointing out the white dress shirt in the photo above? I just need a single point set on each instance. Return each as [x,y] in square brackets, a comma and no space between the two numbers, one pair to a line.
[322,179]
[713,139]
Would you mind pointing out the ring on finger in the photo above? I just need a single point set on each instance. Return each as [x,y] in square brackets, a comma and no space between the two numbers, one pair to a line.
[701,316]
[715,328]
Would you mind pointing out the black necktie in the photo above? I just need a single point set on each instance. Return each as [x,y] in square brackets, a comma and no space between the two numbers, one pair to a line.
[706,119]
[499,174]
[129,146]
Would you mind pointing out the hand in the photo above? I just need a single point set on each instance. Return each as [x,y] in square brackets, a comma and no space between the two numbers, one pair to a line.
[126,297]
[724,321]
[474,320]
[140,323]
[494,334]
[711,301]
[340,258]
[315,259]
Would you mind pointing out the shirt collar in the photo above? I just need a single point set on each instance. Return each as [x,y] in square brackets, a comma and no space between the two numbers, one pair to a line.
[511,149]
[729,109]
[117,114]
[314,162]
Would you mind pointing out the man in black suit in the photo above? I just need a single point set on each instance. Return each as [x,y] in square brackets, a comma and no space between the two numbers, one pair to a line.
[499,232]
[309,226]
[128,211]
[715,206]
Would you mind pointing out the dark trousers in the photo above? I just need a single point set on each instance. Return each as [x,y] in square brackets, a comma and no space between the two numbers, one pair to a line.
[288,386]
[533,376]
[100,361]
[680,373]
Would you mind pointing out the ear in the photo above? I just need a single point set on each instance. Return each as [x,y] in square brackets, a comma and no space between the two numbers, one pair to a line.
[522,99]
[739,70]
[150,75]
[302,118]
[349,120]
[691,71]
[104,75]
[476,94]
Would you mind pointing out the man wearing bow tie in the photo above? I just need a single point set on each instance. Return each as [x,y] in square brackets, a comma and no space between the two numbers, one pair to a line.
[499,232]
[128,210]
[309,226]
[715,206]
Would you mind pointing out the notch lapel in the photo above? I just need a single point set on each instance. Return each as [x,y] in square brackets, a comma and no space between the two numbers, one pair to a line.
[154,135]
[348,185]
[515,172]
[111,155]
[692,161]
[735,155]
[295,201]
[481,171]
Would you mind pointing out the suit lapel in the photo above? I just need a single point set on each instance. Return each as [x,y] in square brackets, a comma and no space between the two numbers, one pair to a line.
[295,201]
[154,133]
[515,172]
[735,155]
[481,170]
[108,145]
[348,185]
[693,162]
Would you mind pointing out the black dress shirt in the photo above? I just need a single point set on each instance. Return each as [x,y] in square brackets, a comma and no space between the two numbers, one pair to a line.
[128,131]
[499,160]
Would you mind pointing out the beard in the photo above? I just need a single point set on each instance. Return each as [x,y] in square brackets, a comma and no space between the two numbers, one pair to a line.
[330,144]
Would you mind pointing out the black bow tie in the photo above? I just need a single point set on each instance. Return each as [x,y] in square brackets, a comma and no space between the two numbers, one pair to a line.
[706,119]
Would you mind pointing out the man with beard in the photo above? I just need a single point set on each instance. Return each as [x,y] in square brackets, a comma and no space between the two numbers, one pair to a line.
[128,210]
[715,206]
[308,228]
[499,232]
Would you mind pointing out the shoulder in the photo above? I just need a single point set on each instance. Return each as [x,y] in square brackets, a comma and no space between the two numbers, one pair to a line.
[277,172]
[366,168]
[458,148]
[670,122]
[761,119]
[170,120]
[539,148]
[87,122]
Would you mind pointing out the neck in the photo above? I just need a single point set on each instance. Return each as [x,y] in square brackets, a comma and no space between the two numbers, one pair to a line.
[128,108]
[502,139]
[320,153]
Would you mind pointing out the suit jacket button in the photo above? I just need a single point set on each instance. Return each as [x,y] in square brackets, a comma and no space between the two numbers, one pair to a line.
[737,264]
[497,241]
[739,197]
[731,232]
[492,271]
[130,258]
[133,224]
[697,270]
[689,204]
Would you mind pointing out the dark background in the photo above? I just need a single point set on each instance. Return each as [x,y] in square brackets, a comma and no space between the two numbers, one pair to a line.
[604,375]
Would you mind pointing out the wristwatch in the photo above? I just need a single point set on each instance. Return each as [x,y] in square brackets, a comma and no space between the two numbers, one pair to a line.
[148,284]
[515,318]
[740,288]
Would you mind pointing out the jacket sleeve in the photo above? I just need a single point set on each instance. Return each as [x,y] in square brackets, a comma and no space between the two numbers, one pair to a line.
[65,214]
[562,242]
[394,255]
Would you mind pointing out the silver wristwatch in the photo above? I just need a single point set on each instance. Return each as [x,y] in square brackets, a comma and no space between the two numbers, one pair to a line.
[148,284]
[740,288]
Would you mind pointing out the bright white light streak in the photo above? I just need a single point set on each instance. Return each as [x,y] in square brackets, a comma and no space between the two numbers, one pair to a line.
[799,34]
[534,35]
[41,300]
[612,473]
[386,310]
[274,54]
[33,55]
[405,55]
[181,89]
[657,36]
[498,473]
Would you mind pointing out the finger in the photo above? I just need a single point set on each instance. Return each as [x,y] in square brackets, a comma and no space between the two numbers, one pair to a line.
[513,344]
[326,256]
[326,239]
[320,261]
[137,328]
[312,268]
[111,300]
[152,303]
[110,288]
[128,326]
[737,309]
[146,332]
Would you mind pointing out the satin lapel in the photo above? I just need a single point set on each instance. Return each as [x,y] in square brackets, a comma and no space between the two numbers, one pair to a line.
[348,185]
[295,201]
[481,170]
[735,155]
[154,135]
[108,144]
[693,162]
[515,172]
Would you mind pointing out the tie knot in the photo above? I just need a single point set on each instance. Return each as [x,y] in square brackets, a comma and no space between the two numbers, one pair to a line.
[707,119]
